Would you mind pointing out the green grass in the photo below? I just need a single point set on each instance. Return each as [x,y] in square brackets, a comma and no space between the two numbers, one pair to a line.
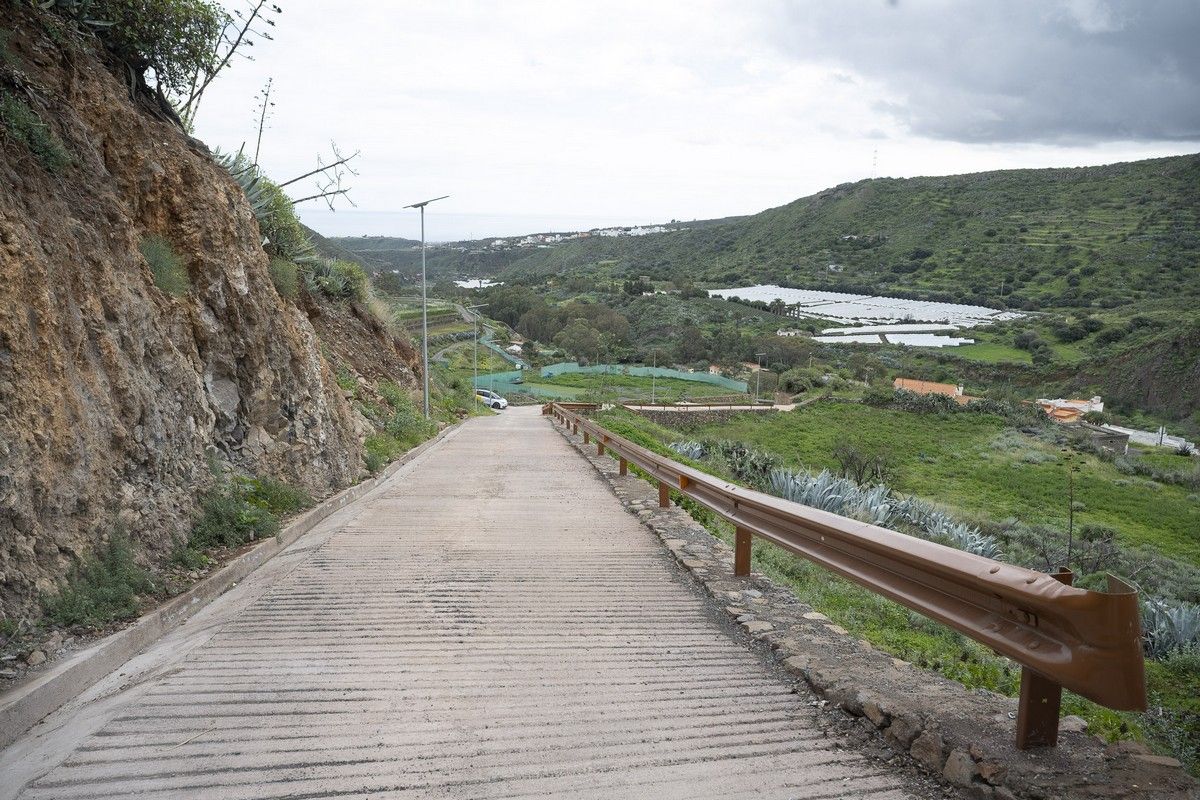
[956,462]
[102,589]
[991,353]
[167,267]
[240,510]
[275,496]
[450,326]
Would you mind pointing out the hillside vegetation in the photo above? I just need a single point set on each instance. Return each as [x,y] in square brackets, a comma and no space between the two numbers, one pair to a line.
[1038,238]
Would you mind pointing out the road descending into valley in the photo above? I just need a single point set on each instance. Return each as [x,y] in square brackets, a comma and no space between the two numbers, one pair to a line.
[489,623]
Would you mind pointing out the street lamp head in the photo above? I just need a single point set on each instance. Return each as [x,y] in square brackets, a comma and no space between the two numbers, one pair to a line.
[424,203]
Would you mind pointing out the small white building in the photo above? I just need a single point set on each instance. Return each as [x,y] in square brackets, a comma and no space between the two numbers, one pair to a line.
[1082,406]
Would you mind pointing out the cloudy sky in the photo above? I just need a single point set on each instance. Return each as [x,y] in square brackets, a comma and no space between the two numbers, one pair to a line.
[569,115]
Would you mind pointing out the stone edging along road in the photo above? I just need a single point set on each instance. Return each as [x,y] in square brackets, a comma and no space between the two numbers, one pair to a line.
[965,738]
[24,706]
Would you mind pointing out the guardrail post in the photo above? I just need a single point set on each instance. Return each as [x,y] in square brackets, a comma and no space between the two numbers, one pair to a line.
[587,437]
[741,553]
[1040,701]
[599,447]
[664,495]
[575,428]
[624,467]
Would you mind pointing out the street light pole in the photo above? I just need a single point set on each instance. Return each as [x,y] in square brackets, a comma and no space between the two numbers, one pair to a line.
[475,358]
[758,375]
[653,376]
[424,305]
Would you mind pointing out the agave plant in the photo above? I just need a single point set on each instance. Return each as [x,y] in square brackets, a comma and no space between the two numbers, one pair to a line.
[696,451]
[746,463]
[878,505]
[282,235]
[1169,626]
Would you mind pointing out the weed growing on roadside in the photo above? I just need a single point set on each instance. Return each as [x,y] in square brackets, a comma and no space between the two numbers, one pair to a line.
[274,496]
[103,588]
[243,510]
[189,557]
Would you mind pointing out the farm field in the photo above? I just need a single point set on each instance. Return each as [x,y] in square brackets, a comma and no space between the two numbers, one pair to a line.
[993,353]
[972,464]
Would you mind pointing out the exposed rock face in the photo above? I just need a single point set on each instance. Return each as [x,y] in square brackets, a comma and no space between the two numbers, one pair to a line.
[115,396]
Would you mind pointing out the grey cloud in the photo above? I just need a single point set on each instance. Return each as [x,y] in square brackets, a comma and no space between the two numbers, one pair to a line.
[1066,71]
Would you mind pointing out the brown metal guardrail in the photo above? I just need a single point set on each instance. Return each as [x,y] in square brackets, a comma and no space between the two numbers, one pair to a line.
[1063,636]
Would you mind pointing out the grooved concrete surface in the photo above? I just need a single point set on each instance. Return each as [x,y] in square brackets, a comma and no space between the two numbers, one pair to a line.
[492,624]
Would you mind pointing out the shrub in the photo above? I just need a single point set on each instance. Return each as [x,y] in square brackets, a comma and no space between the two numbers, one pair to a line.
[22,124]
[285,276]
[1170,626]
[341,280]
[189,557]
[878,505]
[408,425]
[170,275]
[283,235]
[228,518]
[274,496]
[173,38]
[379,450]
[104,588]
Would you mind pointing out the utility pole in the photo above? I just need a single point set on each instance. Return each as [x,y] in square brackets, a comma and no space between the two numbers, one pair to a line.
[758,375]
[425,305]
[653,376]
[475,357]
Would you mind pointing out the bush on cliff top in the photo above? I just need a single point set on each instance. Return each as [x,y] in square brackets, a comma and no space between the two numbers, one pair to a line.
[174,39]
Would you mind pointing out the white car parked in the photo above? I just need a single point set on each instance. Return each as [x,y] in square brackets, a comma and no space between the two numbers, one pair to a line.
[490,398]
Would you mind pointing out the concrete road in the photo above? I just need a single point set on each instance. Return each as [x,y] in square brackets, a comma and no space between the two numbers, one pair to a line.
[490,623]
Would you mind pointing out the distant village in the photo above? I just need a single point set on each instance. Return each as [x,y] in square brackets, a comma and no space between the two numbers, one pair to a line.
[549,239]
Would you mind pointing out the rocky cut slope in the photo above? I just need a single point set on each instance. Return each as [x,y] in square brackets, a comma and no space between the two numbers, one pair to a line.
[117,397]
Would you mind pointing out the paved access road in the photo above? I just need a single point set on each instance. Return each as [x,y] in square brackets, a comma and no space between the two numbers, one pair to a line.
[490,623]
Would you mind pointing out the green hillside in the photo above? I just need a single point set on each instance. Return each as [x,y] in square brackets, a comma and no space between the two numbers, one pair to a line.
[1046,238]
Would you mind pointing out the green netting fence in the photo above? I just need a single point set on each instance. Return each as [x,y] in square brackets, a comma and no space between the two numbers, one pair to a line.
[645,372]
[526,381]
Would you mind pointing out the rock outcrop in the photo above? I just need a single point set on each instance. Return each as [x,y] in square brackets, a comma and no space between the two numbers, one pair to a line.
[116,398]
